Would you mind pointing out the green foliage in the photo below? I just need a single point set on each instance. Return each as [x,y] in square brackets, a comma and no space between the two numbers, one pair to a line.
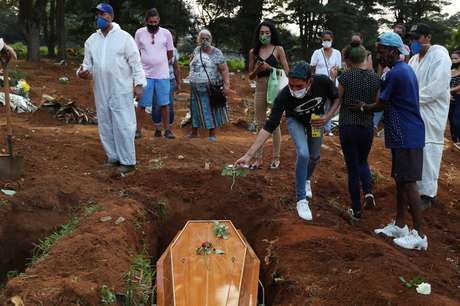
[107,295]
[91,209]
[17,75]
[20,49]
[184,61]
[235,64]
[45,245]
[139,281]
[12,274]
[412,283]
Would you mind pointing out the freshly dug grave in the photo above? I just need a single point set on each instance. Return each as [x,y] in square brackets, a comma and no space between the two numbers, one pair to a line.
[326,262]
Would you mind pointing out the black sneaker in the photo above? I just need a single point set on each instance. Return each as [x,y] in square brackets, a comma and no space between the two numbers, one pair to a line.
[169,134]
[352,216]
[425,202]
[125,169]
[157,133]
[138,134]
[369,201]
[112,163]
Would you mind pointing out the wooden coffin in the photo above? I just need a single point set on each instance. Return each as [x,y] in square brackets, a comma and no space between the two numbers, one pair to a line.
[185,278]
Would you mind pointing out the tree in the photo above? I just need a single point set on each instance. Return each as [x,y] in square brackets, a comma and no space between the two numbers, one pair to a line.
[412,11]
[49,28]
[248,18]
[354,16]
[61,29]
[217,16]
[30,19]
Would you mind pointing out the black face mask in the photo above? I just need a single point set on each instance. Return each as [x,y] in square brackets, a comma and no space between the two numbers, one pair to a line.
[455,65]
[152,27]
[355,44]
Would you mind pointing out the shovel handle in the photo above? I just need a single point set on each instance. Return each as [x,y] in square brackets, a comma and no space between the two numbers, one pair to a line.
[6,87]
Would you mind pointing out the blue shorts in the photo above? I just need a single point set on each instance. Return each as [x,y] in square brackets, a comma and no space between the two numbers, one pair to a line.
[159,89]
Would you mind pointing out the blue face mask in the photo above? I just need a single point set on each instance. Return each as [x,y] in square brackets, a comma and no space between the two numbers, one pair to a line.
[101,23]
[415,47]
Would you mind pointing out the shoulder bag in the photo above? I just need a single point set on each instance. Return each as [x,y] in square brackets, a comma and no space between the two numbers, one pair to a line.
[216,91]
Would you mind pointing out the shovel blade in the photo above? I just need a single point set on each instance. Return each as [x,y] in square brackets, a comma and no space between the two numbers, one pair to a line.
[11,167]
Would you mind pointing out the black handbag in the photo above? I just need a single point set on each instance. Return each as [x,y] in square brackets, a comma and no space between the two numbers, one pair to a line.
[216,91]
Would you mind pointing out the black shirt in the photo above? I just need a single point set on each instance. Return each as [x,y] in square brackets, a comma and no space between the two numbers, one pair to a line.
[271,60]
[321,90]
[358,85]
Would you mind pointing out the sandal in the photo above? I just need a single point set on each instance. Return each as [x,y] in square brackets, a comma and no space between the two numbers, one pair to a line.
[275,164]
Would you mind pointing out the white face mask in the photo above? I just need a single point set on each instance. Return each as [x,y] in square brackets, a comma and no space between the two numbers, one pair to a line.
[327,44]
[298,94]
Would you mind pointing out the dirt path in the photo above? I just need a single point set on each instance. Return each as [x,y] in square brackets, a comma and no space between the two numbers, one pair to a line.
[326,262]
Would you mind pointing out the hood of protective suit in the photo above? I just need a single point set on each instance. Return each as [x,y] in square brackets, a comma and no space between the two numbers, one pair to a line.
[433,75]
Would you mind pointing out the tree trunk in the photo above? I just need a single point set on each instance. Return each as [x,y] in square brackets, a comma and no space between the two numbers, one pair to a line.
[30,18]
[61,31]
[51,41]
[249,17]
[33,44]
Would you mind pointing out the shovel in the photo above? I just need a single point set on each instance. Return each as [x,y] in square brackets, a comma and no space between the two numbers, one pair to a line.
[10,165]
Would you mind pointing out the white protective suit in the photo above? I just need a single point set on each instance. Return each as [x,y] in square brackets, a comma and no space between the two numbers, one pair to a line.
[433,75]
[115,66]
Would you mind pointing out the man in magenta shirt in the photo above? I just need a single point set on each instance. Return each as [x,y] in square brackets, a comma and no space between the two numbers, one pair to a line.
[156,47]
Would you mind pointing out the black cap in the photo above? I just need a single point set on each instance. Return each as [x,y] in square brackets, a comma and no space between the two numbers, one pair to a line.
[420,29]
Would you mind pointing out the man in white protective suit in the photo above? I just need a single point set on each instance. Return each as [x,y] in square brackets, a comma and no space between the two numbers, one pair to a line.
[7,51]
[432,65]
[112,61]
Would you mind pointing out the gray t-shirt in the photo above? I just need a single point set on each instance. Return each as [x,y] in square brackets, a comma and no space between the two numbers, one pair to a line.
[359,85]
[211,61]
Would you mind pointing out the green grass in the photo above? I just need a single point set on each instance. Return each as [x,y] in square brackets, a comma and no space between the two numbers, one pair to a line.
[161,210]
[17,75]
[376,177]
[235,64]
[91,209]
[139,281]
[107,295]
[45,245]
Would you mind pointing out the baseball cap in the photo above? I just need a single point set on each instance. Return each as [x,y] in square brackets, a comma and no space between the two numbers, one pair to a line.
[300,70]
[419,29]
[391,39]
[104,7]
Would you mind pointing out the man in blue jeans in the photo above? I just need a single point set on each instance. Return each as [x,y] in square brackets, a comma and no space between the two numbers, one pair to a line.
[304,96]
[405,136]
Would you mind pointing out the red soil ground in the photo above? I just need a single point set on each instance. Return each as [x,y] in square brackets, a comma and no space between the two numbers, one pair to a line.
[326,262]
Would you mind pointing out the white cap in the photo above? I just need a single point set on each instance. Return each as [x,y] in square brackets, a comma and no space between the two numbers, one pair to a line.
[2,44]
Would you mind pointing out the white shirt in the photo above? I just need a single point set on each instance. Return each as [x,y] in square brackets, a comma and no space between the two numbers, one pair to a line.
[324,64]
[433,75]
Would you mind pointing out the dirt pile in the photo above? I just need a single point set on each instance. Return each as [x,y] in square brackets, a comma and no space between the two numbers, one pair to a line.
[326,262]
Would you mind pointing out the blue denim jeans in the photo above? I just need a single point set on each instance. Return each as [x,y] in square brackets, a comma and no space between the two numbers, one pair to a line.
[378,116]
[156,113]
[454,119]
[356,142]
[308,154]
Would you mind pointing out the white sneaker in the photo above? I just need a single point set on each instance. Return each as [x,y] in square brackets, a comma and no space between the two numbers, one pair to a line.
[303,210]
[392,230]
[308,192]
[412,241]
